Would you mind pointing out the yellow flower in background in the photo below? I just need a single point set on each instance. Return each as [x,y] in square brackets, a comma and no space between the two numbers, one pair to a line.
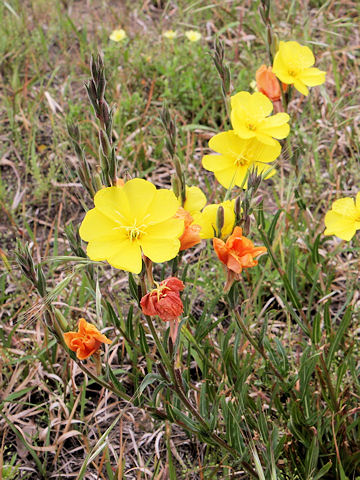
[237,156]
[195,200]
[250,118]
[208,217]
[193,35]
[169,34]
[293,64]
[130,220]
[343,220]
[118,35]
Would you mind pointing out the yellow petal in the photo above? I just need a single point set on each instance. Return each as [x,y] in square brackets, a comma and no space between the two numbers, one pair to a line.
[301,87]
[281,69]
[240,127]
[109,201]
[276,125]
[163,206]
[214,163]
[312,77]
[195,199]
[160,249]
[260,152]
[267,140]
[171,228]
[260,106]
[128,257]
[346,207]
[296,55]
[255,105]
[139,194]
[96,225]
[357,203]
[227,143]
[262,168]
[207,219]
[339,225]
[231,177]
[103,248]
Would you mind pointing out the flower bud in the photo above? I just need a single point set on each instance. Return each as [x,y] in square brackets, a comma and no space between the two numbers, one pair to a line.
[220,219]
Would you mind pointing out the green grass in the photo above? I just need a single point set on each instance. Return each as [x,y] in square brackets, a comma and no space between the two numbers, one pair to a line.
[286,406]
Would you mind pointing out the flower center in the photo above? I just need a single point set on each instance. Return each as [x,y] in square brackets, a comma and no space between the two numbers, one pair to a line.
[135,231]
[159,290]
[251,126]
[292,72]
[241,161]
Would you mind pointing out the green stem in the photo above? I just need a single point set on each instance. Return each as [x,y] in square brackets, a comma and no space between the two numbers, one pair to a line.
[164,356]
[258,348]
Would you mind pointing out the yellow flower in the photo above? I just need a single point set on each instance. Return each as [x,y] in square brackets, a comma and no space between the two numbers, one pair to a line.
[169,34]
[237,156]
[130,220]
[293,65]
[208,217]
[118,35]
[344,218]
[195,200]
[193,36]
[250,118]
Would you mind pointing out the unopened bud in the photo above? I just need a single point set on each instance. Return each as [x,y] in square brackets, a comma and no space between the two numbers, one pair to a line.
[237,211]
[61,319]
[93,67]
[105,112]
[97,182]
[104,142]
[101,86]
[220,219]
[254,180]
[246,226]
[178,169]
[176,185]
[274,47]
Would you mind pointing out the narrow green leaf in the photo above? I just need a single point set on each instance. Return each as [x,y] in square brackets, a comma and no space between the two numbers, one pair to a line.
[345,322]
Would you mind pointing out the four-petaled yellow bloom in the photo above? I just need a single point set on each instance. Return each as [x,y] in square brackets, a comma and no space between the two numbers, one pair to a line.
[237,156]
[130,220]
[118,35]
[208,217]
[193,35]
[293,64]
[343,220]
[250,118]
[169,34]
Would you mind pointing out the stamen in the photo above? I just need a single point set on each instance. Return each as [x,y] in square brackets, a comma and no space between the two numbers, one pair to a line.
[133,231]
[241,161]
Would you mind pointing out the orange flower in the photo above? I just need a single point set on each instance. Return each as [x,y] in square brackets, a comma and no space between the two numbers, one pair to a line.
[191,235]
[164,300]
[86,340]
[238,252]
[268,84]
